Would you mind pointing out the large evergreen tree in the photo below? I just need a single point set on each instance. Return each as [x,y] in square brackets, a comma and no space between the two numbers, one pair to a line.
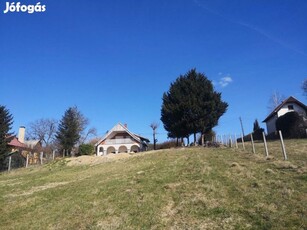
[191,106]
[6,121]
[70,128]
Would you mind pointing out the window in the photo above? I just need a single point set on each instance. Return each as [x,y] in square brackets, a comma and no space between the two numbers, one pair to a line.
[290,107]
[100,149]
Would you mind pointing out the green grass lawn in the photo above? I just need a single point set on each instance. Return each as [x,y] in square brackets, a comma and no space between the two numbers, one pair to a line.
[192,188]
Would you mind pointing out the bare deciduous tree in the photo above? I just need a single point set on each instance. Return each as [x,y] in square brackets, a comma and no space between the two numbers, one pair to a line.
[275,100]
[43,130]
[154,126]
[90,132]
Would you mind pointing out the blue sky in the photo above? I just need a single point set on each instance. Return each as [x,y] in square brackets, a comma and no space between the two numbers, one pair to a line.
[114,59]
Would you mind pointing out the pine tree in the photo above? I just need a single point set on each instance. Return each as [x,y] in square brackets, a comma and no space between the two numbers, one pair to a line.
[256,125]
[257,131]
[191,106]
[70,129]
[6,121]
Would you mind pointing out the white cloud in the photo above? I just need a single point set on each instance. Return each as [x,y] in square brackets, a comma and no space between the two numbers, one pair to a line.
[224,81]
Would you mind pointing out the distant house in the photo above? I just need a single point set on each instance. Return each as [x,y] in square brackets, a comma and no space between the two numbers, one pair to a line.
[120,140]
[15,154]
[291,104]
[25,147]
[15,145]
[35,145]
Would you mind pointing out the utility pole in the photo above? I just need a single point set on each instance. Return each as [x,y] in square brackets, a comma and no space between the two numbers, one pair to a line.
[241,126]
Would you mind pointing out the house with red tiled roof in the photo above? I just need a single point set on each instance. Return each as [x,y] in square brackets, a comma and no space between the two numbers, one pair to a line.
[291,104]
[15,144]
[25,147]
[15,157]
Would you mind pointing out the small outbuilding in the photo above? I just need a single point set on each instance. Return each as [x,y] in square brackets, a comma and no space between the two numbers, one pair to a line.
[291,104]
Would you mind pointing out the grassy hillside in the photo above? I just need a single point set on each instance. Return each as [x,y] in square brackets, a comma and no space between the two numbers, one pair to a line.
[195,188]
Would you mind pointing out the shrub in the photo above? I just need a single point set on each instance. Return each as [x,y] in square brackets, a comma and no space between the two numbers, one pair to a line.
[292,125]
[257,134]
[272,136]
[207,137]
[17,161]
[169,144]
[86,149]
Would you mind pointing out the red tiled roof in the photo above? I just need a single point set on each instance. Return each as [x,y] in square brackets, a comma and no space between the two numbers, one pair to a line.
[16,143]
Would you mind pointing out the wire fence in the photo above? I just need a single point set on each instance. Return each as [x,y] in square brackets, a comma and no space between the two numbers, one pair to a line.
[254,146]
[21,159]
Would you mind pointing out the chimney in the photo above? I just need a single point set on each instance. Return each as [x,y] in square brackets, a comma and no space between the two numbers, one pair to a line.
[21,134]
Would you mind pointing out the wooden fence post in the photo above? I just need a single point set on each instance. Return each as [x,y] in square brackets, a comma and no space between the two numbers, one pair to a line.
[265,145]
[41,157]
[230,139]
[283,146]
[10,162]
[236,141]
[53,155]
[252,140]
[242,138]
[27,160]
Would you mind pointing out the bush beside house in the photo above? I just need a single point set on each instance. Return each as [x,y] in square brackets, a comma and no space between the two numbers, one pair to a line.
[86,149]
[292,125]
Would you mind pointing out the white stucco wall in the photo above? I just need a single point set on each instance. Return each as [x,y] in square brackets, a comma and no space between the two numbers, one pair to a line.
[271,124]
[285,109]
[116,146]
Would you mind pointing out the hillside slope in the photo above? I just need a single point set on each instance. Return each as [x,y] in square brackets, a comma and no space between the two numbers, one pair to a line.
[194,188]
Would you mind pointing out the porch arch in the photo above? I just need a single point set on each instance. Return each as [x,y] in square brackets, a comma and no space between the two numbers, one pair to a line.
[110,150]
[101,150]
[122,149]
[134,148]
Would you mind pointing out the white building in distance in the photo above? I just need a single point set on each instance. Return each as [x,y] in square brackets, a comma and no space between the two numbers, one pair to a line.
[120,140]
[291,104]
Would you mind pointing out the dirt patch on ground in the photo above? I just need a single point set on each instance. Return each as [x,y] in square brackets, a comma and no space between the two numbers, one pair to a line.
[94,160]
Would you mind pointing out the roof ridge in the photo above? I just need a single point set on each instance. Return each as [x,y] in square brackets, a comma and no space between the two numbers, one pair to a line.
[281,104]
